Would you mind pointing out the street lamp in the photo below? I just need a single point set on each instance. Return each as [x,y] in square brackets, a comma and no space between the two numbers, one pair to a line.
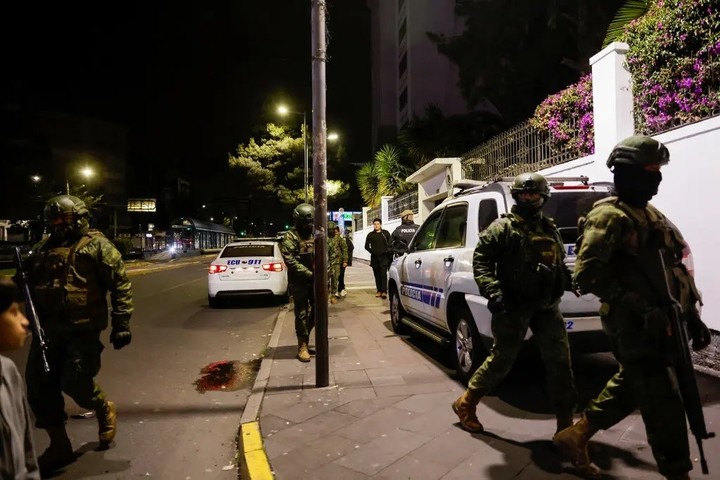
[283,110]
[333,137]
[86,172]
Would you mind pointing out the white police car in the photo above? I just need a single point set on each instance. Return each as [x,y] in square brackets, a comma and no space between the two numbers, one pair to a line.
[432,287]
[253,266]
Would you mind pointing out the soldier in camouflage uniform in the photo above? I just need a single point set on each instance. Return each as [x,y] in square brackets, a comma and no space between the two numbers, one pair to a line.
[297,249]
[621,240]
[519,267]
[337,259]
[70,274]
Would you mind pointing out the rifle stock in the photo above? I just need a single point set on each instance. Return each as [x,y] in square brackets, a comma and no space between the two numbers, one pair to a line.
[30,312]
[679,345]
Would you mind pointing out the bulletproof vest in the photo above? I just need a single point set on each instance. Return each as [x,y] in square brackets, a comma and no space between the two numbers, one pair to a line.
[307,252]
[60,292]
[655,235]
[537,273]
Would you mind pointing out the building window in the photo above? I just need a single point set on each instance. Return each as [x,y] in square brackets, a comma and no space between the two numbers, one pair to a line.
[402,31]
[403,98]
[402,66]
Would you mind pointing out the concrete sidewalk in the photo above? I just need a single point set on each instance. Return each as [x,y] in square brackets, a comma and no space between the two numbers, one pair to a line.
[387,415]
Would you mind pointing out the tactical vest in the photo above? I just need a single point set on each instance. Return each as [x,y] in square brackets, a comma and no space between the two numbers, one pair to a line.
[653,235]
[65,295]
[307,252]
[535,258]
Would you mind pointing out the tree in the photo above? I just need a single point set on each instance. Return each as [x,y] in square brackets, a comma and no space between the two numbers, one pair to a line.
[384,175]
[275,164]
[434,135]
[631,10]
[513,54]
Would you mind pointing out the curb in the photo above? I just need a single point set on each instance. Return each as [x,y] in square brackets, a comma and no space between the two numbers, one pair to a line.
[254,464]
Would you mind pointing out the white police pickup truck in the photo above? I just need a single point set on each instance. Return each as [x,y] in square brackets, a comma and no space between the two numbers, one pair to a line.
[432,289]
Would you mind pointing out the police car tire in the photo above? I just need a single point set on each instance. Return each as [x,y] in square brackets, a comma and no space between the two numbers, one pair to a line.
[396,313]
[213,302]
[478,354]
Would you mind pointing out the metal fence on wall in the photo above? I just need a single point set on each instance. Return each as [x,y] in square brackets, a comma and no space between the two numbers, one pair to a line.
[522,148]
[407,201]
[374,213]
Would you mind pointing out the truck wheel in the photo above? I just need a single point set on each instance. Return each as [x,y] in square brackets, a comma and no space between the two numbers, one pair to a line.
[396,313]
[469,350]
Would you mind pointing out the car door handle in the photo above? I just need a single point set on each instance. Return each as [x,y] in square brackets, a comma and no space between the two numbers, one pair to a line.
[448,259]
[418,262]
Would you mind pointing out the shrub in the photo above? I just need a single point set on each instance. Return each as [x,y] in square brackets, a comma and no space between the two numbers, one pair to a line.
[567,117]
[124,246]
[674,59]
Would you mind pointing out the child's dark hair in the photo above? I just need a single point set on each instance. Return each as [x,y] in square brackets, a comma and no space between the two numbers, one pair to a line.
[9,293]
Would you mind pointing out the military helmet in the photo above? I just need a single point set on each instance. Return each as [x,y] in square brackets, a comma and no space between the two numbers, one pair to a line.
[530,183]
[63,205]
[639,150]
[303,214]
[331,226]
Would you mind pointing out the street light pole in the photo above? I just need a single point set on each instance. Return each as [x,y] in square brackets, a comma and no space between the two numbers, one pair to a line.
[318,55]
[305,157]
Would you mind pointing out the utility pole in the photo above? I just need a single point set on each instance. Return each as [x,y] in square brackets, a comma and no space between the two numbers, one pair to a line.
[320,310]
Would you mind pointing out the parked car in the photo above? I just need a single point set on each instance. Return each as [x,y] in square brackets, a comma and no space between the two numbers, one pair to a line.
[7,252]
[432,288]
[252,266]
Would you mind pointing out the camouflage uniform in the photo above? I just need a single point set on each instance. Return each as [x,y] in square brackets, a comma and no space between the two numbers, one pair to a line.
[616,238]
[620,246]
[70,282]
[522,260]
[337,256]
[299,257]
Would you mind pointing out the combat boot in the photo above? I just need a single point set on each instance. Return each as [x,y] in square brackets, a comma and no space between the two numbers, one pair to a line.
[303,353]
[464,407]
[572,442]
[59,453]
[107,423]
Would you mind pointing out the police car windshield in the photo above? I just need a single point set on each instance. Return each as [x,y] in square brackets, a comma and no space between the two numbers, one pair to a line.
[247,251]
[566,207]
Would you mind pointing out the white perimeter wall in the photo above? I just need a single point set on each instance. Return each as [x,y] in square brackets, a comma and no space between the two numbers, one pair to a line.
[688,196]
[689,193]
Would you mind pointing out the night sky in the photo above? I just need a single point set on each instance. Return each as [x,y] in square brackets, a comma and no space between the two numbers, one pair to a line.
[190,80]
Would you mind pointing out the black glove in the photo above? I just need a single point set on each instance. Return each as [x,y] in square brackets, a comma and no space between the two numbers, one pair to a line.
[699,332]
[120,338]
[496,304]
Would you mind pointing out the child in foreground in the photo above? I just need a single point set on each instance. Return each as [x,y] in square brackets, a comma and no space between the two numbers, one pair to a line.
[17,449]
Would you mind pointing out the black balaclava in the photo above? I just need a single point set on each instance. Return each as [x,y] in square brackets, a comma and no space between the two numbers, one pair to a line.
[527,208]
[634,185]
[305,228]
[68,231]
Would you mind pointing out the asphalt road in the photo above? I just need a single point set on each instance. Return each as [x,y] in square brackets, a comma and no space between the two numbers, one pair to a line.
[173,422]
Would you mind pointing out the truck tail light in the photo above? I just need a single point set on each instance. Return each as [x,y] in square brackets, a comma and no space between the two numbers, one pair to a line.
[217,268]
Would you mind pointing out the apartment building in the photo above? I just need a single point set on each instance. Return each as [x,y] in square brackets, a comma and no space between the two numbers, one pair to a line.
[408,72]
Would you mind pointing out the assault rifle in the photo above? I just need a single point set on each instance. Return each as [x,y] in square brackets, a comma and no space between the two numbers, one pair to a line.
[22,281]
[681,370]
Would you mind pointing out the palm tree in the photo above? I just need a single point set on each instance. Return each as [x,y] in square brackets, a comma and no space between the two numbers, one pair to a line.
[392,171]
[369,184]
[631,10]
